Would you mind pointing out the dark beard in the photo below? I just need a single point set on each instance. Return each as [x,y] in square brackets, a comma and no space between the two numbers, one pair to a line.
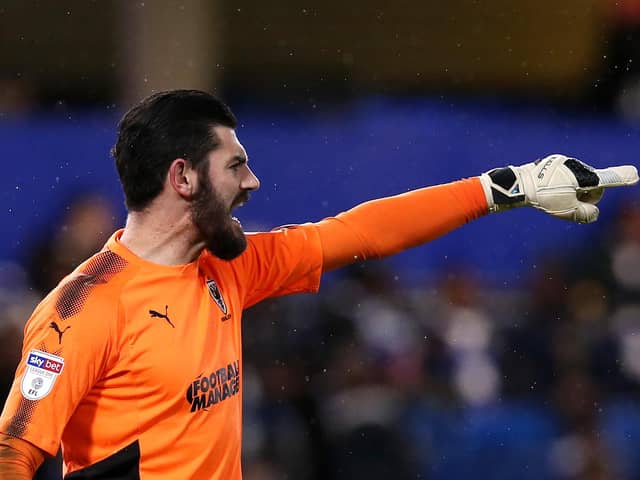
[222,236]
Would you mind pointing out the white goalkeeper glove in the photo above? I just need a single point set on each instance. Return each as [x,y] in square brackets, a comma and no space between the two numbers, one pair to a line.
[560,186]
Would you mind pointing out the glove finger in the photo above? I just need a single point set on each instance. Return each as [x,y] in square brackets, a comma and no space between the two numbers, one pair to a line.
[585,213]
[617,176]
[580,213]
[591,196]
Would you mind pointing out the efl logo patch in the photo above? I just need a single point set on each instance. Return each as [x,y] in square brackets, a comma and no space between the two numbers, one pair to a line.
[40,375]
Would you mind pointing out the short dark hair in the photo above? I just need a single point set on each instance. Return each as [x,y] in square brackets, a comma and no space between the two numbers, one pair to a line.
[159,129]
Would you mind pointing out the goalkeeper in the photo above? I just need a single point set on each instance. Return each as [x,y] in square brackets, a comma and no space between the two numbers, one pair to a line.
[133,364]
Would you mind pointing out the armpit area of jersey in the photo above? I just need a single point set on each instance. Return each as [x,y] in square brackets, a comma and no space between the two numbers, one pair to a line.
[122,465]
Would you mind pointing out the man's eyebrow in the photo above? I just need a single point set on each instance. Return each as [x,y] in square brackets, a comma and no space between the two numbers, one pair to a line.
[240,159]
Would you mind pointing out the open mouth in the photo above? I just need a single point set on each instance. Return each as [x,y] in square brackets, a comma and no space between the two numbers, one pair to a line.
[234,218]
[237,204]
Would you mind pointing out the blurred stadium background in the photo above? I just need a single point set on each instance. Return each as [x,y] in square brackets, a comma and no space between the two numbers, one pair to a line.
[508,349]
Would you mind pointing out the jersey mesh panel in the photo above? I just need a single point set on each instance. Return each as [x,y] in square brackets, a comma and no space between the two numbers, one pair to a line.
[74,294]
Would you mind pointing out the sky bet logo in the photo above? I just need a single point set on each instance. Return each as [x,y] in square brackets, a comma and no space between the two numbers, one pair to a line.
[48,364]
[40,375]
[219,385]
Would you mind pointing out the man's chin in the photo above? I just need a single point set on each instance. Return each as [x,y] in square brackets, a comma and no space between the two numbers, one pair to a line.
[230,247]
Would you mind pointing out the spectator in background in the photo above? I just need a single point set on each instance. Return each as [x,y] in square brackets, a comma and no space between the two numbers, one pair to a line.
[17,96]
[16,301]
[85,225]
[579,452]
[619,85]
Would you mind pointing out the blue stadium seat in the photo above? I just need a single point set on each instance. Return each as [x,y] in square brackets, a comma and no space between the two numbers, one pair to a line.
[501,442]
[620,429]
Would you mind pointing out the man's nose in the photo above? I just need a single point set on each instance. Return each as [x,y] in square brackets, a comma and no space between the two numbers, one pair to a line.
[250,181]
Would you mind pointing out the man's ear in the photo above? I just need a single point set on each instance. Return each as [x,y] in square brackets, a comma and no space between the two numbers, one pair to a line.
[182,177]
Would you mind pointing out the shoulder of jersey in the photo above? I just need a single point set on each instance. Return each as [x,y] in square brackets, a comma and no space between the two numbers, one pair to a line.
[95,284]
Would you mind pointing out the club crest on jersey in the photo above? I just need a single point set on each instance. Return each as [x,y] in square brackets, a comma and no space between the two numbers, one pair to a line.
[40,375]
[217,297]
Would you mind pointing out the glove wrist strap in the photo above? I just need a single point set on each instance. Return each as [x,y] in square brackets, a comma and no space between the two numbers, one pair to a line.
[503,188]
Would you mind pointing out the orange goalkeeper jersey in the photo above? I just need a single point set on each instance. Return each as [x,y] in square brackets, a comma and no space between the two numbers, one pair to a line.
[136,367]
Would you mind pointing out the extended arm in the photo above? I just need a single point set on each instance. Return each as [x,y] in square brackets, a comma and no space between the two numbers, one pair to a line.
[389,225]
[558,185]
[19,459]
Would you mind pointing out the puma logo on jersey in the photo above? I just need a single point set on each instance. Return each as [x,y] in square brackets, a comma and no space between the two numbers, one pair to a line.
[155,314]
[55,326]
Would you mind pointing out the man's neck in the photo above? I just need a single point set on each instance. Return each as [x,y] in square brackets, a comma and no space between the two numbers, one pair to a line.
[162,238]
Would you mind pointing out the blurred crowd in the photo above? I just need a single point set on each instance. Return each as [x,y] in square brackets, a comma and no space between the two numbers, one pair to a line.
[454,380]
[376,379]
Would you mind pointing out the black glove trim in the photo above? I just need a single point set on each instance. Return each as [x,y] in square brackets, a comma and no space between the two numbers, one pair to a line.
[506,179]
[584,173]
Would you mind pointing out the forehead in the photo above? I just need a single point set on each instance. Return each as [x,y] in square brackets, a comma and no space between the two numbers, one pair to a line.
[228,141]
